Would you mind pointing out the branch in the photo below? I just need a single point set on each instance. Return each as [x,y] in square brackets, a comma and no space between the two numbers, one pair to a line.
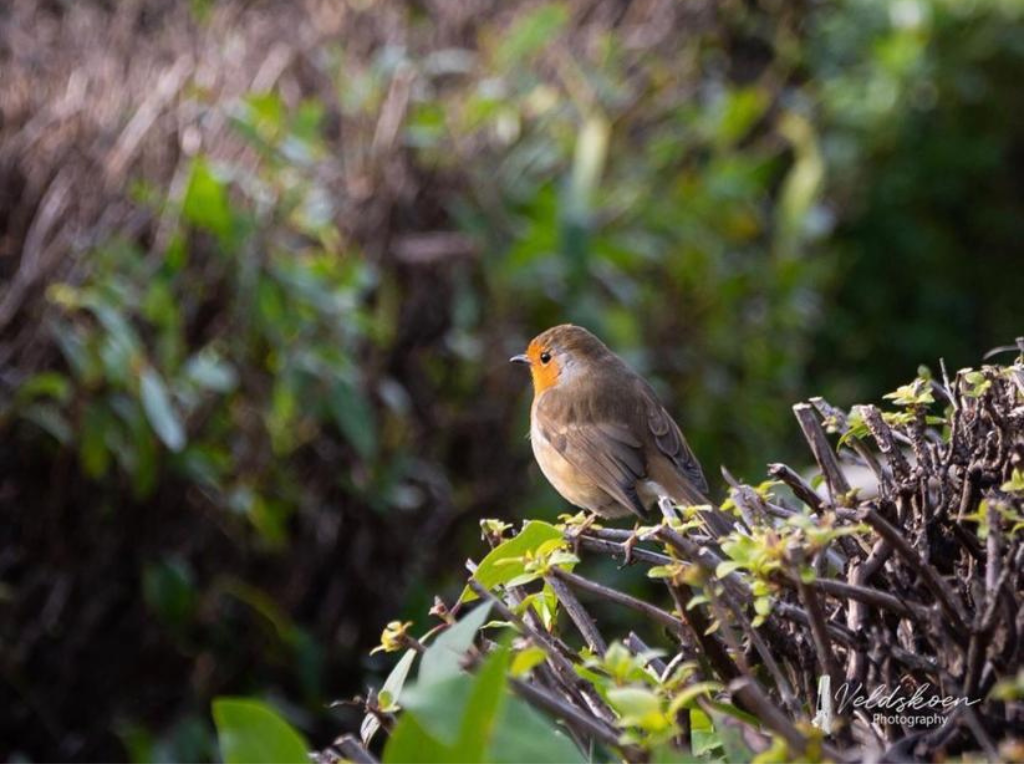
[586,625]
[928,574]
[656,614]
[822,450]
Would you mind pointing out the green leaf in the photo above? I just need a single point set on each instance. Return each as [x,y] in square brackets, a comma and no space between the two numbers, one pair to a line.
[354,416]
[391,689]
[161,414]
[49,419]
[410,742]
[439,706]
[917,393]
[492,571]
[530,33]
[481,716]
[206,201]
[1015,484]
[48,384]
[92,446]
[208,370]
[523,578]
[686,697]
[526,659]
[396,679]
[522,734]
[443,658]
[250,732]
[634,702]
[703,737]
[727,567]
[168,589]
[455,717]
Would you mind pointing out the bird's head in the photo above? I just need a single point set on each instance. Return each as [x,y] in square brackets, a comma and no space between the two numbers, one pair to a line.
[558,355]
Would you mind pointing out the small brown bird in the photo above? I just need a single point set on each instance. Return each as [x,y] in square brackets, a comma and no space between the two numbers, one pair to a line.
[600,435]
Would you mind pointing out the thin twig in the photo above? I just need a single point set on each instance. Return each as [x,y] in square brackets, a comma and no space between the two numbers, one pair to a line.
[823,454]
[656,614]
[928,574]
[586,625]
[800,487]
[352,750]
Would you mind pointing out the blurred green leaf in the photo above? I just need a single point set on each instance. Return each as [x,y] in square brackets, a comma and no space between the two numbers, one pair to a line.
[474,719]
[92,447]
[530,33]
[47,384]
[169,591]
[525,660]
[588,164]
[702,733]
[522,734]
[50,419]
[802,185]
[208,370]
[485,701]
[439,706]
[354,417]
[410,742]
[206,202]
[443,658]
[250,732]
[159,410]
[458,710]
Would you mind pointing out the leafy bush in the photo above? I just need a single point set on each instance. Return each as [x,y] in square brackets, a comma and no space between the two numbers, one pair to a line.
[788,640]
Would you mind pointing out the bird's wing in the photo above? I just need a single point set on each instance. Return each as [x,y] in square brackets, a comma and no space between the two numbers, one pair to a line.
[669,439]
[678,472]
[604,451]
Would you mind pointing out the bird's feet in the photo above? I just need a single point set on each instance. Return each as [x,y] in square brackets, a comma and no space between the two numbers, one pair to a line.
[627,547]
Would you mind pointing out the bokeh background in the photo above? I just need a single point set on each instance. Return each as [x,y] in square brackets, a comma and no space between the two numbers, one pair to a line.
[262,264]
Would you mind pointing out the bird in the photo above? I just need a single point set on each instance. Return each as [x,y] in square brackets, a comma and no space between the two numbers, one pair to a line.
[601,436]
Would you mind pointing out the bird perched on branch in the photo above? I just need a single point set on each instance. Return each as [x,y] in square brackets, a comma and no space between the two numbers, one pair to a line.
[600,435]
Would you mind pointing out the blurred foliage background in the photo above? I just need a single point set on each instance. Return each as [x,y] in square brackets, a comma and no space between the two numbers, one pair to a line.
[262,265]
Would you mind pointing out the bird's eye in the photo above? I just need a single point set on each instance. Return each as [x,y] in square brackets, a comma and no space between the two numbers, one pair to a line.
[545,357]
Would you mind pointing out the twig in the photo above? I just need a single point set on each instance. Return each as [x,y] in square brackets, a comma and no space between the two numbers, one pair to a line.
[352,750]
[886,440]
[927,573]
[586,625]
[797,614]
[823,455]
[639,647]
[614,549]
[656,614]
[788,699]
[562,664]
[800,487]
[699,626]
[872,597]
[819,633]
[750,695]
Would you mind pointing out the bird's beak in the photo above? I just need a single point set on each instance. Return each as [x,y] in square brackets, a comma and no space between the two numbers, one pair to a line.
[521,358]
